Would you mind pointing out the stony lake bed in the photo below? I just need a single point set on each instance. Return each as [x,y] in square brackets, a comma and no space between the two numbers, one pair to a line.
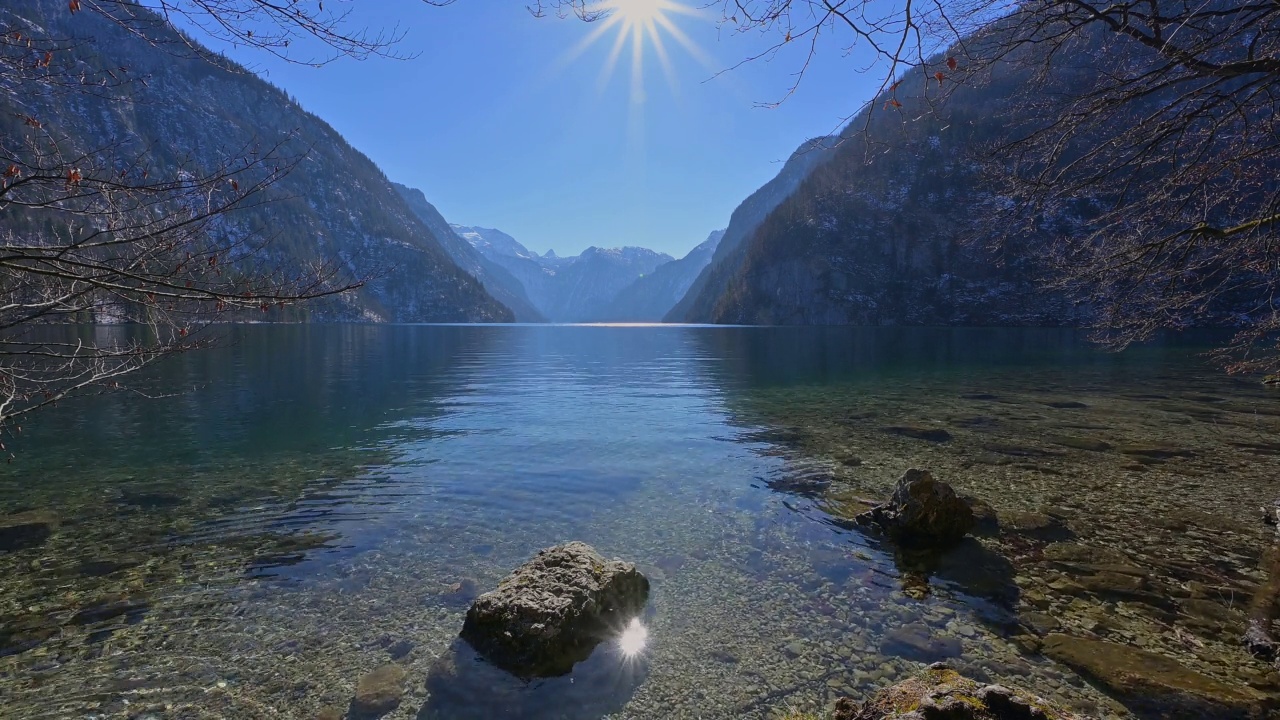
[319,503]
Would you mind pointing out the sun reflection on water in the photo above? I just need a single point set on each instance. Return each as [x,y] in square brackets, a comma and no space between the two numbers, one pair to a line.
[633,638]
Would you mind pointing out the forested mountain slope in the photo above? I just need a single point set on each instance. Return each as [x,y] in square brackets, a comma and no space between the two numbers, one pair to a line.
[174,109]
[744,221]
[889,230]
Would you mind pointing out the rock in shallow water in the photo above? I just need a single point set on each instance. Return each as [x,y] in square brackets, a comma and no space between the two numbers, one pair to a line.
[26,529]
[917,641]
[937,435]
[923,512]
[552,611]
[941,693]
[378,692]
[1151,683]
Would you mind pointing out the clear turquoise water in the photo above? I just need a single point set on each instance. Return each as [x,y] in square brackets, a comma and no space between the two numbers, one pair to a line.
[312,500]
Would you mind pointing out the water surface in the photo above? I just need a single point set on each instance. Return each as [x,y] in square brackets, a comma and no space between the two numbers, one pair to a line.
[312,502]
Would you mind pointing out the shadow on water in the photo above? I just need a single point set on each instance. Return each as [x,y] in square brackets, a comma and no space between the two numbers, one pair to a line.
[971,569]
[463,685]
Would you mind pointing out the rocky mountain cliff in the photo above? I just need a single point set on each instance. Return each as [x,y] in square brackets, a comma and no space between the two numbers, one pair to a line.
[744,221]
[566,289]
[901,222]
[651,297]
[883,232]
[336,204]
[500,283]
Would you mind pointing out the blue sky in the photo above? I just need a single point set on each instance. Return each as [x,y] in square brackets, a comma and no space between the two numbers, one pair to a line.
[498,130]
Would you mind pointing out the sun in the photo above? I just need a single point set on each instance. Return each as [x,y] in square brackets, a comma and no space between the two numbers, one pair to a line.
[642,25]
[638,11]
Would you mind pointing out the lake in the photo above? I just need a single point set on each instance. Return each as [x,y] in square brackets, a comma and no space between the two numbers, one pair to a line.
[261,524]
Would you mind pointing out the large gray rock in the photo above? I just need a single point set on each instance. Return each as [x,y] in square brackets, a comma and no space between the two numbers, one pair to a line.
[923,512]
[552,611]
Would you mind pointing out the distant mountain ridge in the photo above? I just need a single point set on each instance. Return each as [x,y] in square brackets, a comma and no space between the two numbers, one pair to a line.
[337,205]
[500,283]
[579,288]
[651,297]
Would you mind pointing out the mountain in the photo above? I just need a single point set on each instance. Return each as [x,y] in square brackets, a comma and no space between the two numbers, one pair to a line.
[744,221]
[651,297]
[496,279]
[495,242]
[588,283]
[566,289]
[335,205]
[883,236]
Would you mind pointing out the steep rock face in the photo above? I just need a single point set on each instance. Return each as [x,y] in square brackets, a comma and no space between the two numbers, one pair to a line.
[492,243]
[335,205]
[500,283]
[651,297]
[882,238]
[891,229]
[569,289]
[709,284]
[904,224]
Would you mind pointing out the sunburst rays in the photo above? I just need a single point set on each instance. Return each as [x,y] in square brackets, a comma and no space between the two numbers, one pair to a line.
[642,25]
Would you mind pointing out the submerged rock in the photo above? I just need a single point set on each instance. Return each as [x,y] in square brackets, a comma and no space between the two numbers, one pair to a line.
[1067,405]
[378,692]
[20,634]
[110,607]
[26,529]
[942,693]
[1151,683]
[1080,443]
[552,611]
[1154,453]
[937,435]
[1035,525]
[918,642]
[986,521]
[923,512]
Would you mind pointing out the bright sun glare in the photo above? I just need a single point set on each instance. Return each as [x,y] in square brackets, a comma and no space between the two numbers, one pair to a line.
[640,24]
[633,639]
